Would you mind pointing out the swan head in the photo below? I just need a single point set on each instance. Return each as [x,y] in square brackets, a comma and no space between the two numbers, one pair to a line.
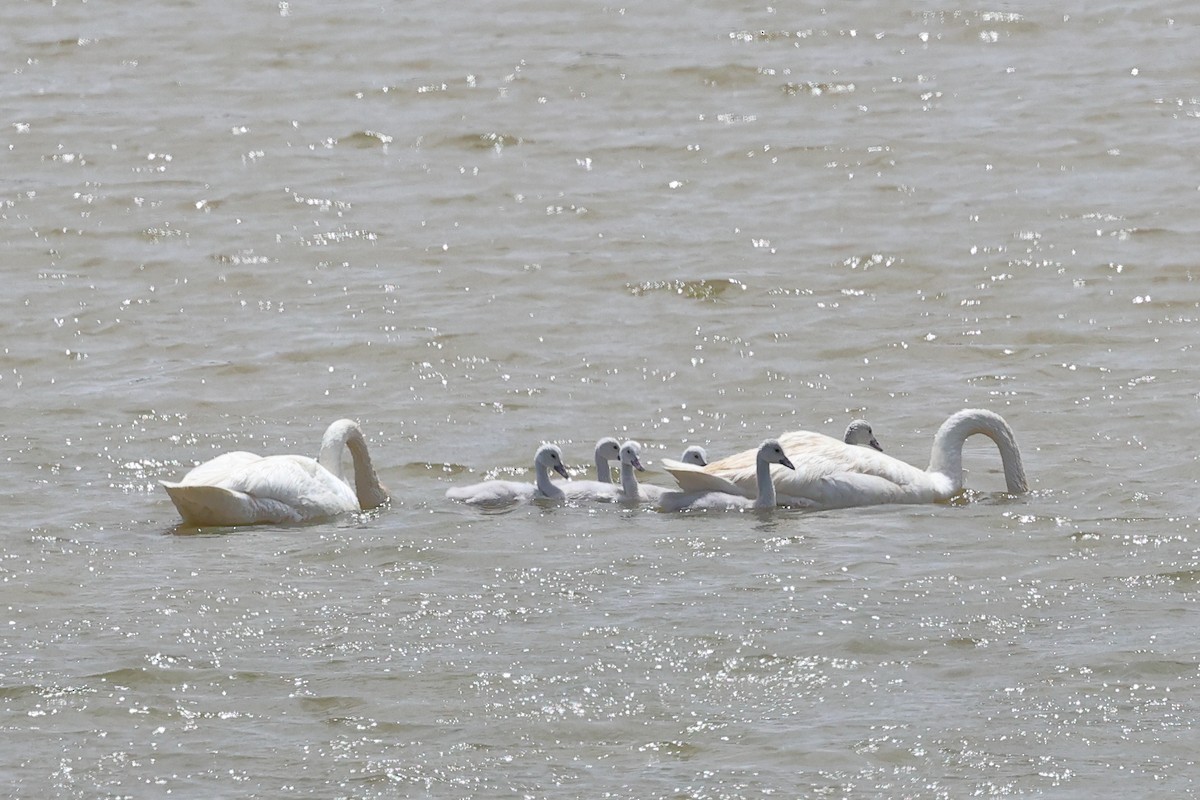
[859,432]
[608,449]
[695,455]
[771,452]
[630,452]
[550,457]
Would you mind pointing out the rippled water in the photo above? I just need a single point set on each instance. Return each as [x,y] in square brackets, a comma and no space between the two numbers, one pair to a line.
[227,226]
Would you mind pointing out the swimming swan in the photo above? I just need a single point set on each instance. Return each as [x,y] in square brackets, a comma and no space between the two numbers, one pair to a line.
[548,457]
[631,490]
[729,496]
[696,455]
[607,492]
[832,474]
[601,489]
[242,488]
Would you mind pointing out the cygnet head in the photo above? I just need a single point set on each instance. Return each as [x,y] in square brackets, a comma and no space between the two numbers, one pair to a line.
[695,455]
[608,449]
[550,457]
[859,432]
[772,452]
[629,455]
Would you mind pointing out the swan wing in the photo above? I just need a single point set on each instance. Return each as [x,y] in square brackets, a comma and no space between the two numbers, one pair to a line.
[205,506]
[491,493]
[696,479]
[823,456]
[218,469]
[590,490]
[849,489]
[273,489]
[829,473]
[297,481]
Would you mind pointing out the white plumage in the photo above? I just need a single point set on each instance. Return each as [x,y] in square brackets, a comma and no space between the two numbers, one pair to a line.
[720,495]
[599,491]
[242,488]
[833,474]
[498,492]
[631,490]
[607,449]
[859,432]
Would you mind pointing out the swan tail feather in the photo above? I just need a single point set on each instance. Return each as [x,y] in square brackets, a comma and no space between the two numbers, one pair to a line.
[692,478]
[214,506]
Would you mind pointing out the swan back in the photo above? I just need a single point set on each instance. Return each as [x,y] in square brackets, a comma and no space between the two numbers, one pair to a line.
[215,470]
[494,492]
[827,473]
[243,489]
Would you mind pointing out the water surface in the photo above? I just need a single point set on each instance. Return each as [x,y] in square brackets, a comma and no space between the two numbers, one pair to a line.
[227,227]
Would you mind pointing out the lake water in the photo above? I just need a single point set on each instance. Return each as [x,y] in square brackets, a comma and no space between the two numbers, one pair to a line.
[472,230]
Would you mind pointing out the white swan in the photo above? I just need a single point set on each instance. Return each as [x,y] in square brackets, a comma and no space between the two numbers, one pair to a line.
[832,474]
[242,488]
[859,432]
[730,496]
[548,457]
[607,449]
[626,491]
[631,490]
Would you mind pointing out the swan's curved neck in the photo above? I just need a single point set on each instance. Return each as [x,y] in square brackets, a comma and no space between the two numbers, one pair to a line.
[603,475]
[544,484]
[766,486]
[366,482]
[629,481]
[946,457]
[332,448]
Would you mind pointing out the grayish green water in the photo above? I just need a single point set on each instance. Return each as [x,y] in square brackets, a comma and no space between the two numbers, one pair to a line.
[226,225]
